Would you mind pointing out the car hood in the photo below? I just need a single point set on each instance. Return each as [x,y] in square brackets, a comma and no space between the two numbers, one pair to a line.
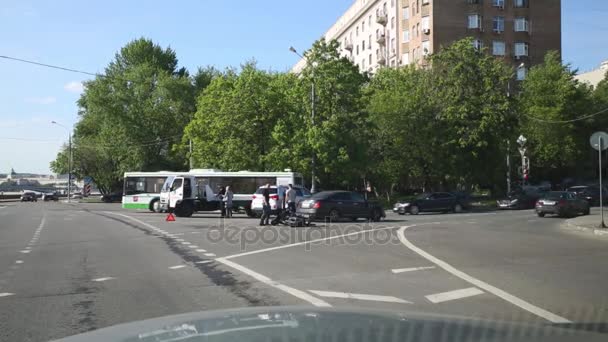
[303,324]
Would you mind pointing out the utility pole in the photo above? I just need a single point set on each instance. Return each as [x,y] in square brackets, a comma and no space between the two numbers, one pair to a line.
[508,166]
[191,162]
[70,158]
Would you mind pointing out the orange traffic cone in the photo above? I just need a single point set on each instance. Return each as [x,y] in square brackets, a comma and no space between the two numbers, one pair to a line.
[170,218]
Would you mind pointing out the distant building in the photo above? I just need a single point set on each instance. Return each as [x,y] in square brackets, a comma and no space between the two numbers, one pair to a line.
[378,33]
[594,77]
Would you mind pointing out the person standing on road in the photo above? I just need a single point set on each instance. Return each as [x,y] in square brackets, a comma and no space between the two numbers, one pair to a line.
[228,201]
[290,198]
[266,206]
[220,196]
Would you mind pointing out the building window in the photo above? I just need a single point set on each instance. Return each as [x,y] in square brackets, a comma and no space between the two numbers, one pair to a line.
[499,24]
[392,3]
[426,48]
[363,64]
[522,72]
[477,44]
[370,59]
[426,2]
[405,59]
[521,49]
[357,31]
[426,24]
[498,3]
[363,26]
[363,45]
[406,13]
[393,22]
[357,49]
[406,36]
[474,21]
[498,48]
[474,1]
[522,25]
[370,41]
[393,45]
[418,30]
[520,3]
[417,6]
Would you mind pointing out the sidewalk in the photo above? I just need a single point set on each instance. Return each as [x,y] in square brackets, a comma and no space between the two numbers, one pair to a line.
[589,224]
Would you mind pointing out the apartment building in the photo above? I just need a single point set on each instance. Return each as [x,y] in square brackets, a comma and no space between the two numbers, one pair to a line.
[377,33]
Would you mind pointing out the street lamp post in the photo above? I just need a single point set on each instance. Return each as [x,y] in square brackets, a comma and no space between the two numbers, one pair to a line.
[522,150]
[70,158]
[313,188]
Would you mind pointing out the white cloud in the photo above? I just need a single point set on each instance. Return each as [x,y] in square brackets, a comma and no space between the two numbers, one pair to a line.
[45,100]
[74,87]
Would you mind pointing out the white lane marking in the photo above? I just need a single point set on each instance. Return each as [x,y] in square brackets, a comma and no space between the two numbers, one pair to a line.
[28,248]
[262,278]
[453,295]
[201,250]
[19,262]
[186,243]
[264,250]
[360,296]
[195,233]
[294,292]
[6,294]
[2,206]
[177,267]
[103,279]
[178,234]
[193,246]
[25,251]
[551,317]
[180,240]
[411,269]
[209,254]
[204,262]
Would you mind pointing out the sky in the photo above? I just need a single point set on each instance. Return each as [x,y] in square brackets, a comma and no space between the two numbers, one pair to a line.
[86,35]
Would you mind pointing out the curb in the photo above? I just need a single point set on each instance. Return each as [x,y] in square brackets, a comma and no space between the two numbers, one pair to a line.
[589,230]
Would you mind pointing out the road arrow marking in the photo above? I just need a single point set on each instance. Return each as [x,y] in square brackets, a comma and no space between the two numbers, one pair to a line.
[411,269]
[103,279]
[360,296]
[177,267]
[453,295]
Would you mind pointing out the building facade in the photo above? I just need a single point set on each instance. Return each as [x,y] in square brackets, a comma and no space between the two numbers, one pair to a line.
[377,33]
[594,77]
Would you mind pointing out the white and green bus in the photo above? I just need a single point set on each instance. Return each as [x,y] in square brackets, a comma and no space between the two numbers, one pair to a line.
[142,189]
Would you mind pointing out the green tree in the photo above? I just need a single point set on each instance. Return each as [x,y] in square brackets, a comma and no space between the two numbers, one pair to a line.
[130,118]
[550,101]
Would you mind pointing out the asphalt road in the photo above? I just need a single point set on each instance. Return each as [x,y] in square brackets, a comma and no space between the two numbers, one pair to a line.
[67,269]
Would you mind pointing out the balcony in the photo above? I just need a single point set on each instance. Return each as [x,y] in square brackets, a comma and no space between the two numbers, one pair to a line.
[348,46]
[381,60]
[381,18]
[381,39]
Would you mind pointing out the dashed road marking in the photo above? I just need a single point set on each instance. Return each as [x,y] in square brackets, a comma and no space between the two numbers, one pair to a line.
[262,278]
[193,246]
[186,243]
[103,279]
[360,296]
[25,251]
[209,254]
[177,267]
[551,317]
[18,261]
[6,294]
[411,269]
[453,295]
[201,250]
[204,262]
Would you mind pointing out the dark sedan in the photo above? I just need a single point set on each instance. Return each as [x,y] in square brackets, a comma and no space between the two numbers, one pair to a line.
[435,202]
[589,193]
[561,203]
[335,205]
[517,200]
[29,196]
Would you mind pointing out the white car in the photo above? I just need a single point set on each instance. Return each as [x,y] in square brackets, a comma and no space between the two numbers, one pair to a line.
[276,198]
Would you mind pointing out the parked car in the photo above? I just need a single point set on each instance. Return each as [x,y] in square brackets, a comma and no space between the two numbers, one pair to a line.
[561,203]
[518,200]
[589,193]
[112,197]
[435,202]
[50,196]
[29,196]
[335,205]
[276,197]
